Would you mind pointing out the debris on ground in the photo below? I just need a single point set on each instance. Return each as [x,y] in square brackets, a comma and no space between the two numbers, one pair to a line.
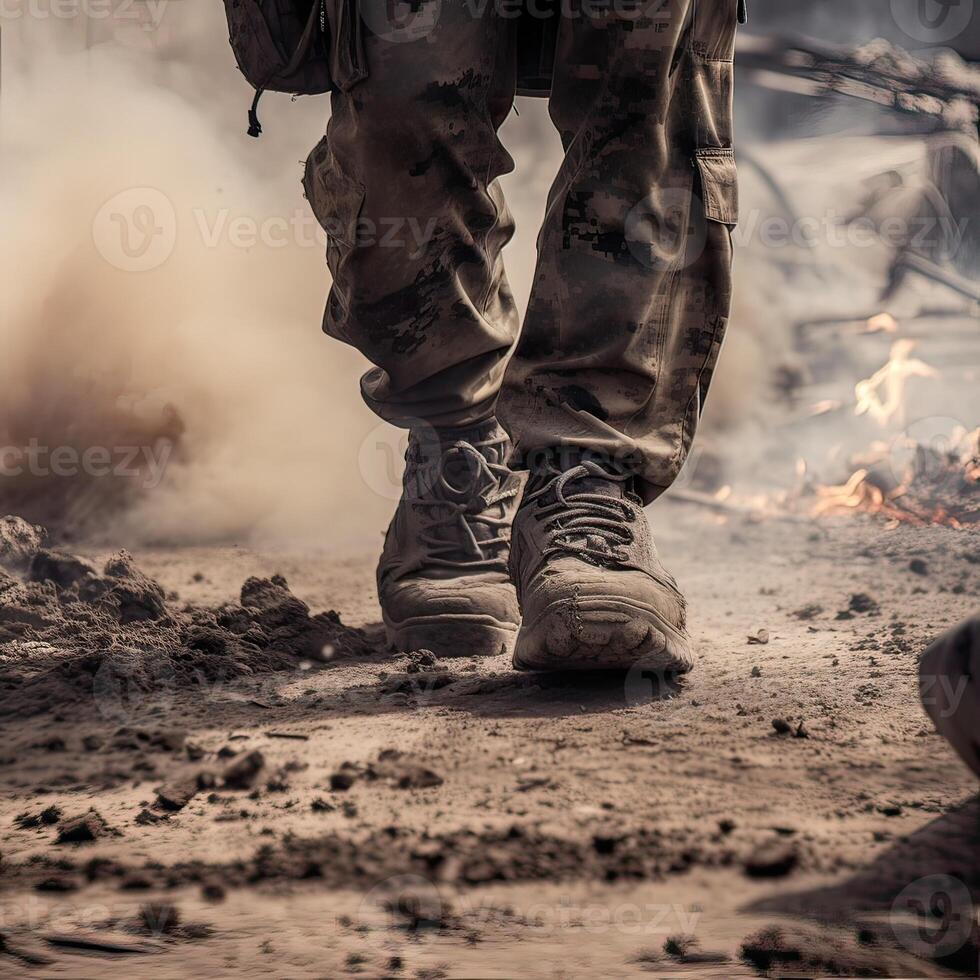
[44,818]
[19,542]
[397,769]
[419,660]
[84,829]
[115,635]
[773,859]
[177,793]
[802,949]
[242,773]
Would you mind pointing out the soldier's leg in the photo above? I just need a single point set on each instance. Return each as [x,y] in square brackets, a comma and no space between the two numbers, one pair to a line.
[405,185]
[632,288]
[627,313]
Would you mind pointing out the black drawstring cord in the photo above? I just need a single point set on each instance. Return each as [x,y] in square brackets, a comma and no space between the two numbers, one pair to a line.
[743,13]
[315,21]
[254,126]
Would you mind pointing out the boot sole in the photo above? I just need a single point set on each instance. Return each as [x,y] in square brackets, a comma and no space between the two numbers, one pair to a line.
[453,636]
[601,633]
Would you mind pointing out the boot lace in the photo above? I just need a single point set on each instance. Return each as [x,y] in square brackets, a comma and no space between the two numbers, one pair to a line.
[588,525]
[465,524]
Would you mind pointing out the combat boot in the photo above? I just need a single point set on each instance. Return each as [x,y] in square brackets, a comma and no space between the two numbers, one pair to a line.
[592,591]
[443,577]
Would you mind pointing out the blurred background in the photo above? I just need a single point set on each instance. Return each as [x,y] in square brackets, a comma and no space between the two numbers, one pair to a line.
[164,281]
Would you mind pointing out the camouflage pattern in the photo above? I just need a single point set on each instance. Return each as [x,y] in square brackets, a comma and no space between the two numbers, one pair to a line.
[632,287]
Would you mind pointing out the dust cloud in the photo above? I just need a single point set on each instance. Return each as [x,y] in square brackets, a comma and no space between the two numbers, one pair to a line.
[193,339]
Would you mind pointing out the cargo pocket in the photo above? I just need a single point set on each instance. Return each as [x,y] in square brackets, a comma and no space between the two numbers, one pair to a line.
[336,199]
[719,184]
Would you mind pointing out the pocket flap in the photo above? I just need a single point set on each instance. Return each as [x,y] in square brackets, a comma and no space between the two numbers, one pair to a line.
[719,184]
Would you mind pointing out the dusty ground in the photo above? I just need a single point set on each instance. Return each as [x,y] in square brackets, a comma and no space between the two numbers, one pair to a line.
[533,826]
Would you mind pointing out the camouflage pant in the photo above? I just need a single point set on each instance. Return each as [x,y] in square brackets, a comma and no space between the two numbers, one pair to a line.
[632,287]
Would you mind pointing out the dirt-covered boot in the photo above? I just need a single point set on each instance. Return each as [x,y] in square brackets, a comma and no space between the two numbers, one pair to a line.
[593,593]
[442,579]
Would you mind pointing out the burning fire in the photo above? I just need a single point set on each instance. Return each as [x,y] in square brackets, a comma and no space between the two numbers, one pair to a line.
[899,477]
[891,378]
[936,487]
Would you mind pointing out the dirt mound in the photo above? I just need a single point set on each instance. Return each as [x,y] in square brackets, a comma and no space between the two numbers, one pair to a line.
[19,542]
[800,949]
[68,631]
[460,858]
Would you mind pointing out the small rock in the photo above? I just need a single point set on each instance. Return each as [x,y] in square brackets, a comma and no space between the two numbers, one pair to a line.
[782,726]
[756,671]
[146,817]
[176,794]
[918,566]
[861,602]
[241,774]
[801,731]
[344,777]
[92,743]
[320,805]
[759,636]
[213,891]
[775,859]
[84,829]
